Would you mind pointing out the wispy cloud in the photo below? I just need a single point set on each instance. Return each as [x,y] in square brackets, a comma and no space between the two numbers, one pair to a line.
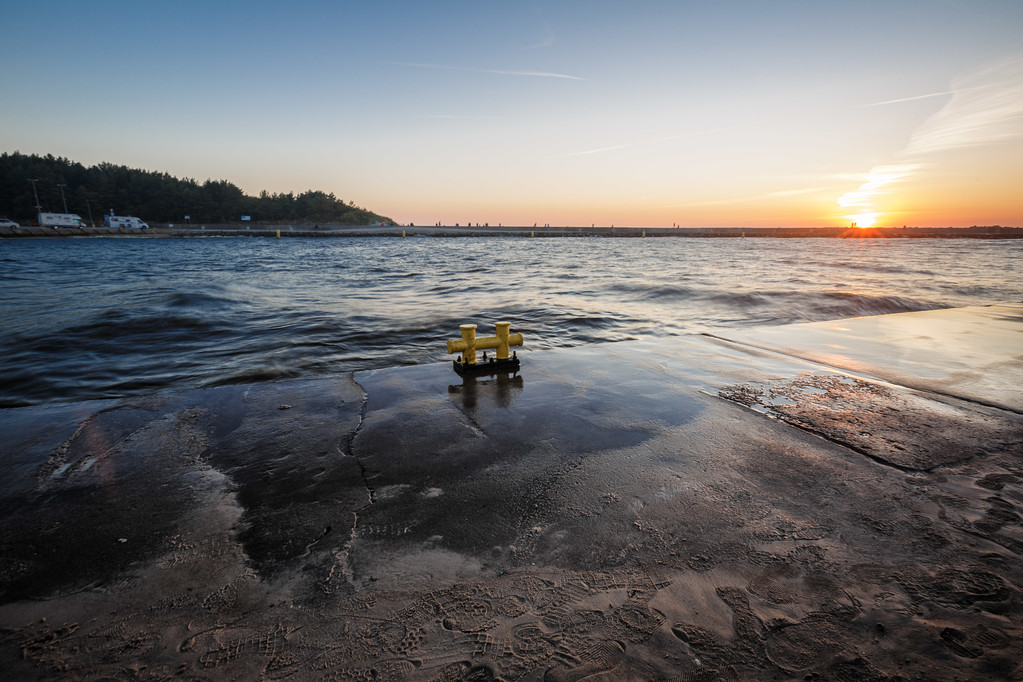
[747,199]
[985,107]
[911,99]
[546,39]
[877,180]
[695,133]
[730,201]
[599,150]
[797,192]
[627,145]
[502,72]
[454,116]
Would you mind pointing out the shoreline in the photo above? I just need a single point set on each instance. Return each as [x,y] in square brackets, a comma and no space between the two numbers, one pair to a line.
[274,231]
[744,506]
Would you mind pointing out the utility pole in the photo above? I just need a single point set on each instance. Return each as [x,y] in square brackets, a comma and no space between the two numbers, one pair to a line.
[62,196]
[39,209]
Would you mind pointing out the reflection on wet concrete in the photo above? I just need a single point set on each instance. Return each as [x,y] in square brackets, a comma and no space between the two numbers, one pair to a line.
[687,508]
[970,353]
[500,388]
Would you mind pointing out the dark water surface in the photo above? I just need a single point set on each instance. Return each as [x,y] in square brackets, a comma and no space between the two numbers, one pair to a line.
[94,318]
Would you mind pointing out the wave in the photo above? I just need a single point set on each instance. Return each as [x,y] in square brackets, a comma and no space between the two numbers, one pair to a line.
[810,306]
[194,313]
[656,291]
[198,299]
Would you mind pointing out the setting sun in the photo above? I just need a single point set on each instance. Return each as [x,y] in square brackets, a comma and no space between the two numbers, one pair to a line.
[864,219]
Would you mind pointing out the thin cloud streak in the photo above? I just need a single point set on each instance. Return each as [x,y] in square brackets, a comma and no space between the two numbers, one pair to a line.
[695,133]
[747,199]
[797,192]
[599,150]
[713,202]
[503,72]
[911,99]
[627,145]
[456,116]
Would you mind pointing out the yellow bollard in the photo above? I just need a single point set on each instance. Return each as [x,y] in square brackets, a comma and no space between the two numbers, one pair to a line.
[278,234]
[469,344]
[403,234]
[504,340]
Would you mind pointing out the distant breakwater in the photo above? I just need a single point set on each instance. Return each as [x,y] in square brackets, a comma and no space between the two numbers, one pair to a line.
[274,231]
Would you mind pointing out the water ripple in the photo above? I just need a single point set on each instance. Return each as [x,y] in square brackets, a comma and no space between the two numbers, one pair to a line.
[108,318]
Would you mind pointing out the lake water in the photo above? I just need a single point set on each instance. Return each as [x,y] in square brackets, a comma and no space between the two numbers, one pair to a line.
[95,318]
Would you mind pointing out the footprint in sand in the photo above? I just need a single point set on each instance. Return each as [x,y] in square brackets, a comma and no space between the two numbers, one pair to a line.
[597,659]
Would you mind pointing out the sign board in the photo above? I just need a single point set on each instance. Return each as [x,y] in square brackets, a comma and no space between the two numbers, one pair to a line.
[245,217]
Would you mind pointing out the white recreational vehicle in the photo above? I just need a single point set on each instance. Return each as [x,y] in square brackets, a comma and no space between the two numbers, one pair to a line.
[125,222]
[60,220]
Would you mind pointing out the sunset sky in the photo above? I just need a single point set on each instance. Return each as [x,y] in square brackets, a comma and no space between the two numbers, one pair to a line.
[796,113]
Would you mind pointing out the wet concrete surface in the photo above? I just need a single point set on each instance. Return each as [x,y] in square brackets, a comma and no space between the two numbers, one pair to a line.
[760,506]
[973,353]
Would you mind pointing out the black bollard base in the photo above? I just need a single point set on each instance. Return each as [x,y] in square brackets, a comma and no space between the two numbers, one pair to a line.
[487,366]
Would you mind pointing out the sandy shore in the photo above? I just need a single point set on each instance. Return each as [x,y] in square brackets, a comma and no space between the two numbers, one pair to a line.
[833,501]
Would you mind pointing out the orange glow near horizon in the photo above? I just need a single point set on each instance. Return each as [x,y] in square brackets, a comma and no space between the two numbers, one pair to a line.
[864,219]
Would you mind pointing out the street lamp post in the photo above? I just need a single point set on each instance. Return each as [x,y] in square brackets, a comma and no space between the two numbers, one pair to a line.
[62,196]
[39,209]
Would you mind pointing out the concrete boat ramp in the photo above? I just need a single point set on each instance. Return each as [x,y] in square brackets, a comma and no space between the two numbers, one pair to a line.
[827,501]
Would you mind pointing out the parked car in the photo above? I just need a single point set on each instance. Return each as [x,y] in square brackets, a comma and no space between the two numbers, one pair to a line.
[4,222]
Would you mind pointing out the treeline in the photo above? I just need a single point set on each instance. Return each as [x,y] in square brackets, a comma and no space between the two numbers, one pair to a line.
[156,197]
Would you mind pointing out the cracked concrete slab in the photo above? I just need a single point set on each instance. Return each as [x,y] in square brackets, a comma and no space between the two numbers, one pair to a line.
[898,428]
[685,508]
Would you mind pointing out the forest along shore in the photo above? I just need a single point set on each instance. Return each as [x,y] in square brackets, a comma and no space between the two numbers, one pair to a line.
[260,230]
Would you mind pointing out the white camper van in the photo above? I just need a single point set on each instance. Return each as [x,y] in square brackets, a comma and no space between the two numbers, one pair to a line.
[60,220]
[125,222]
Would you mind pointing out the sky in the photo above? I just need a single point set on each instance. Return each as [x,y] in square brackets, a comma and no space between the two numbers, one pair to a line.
[639,113]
